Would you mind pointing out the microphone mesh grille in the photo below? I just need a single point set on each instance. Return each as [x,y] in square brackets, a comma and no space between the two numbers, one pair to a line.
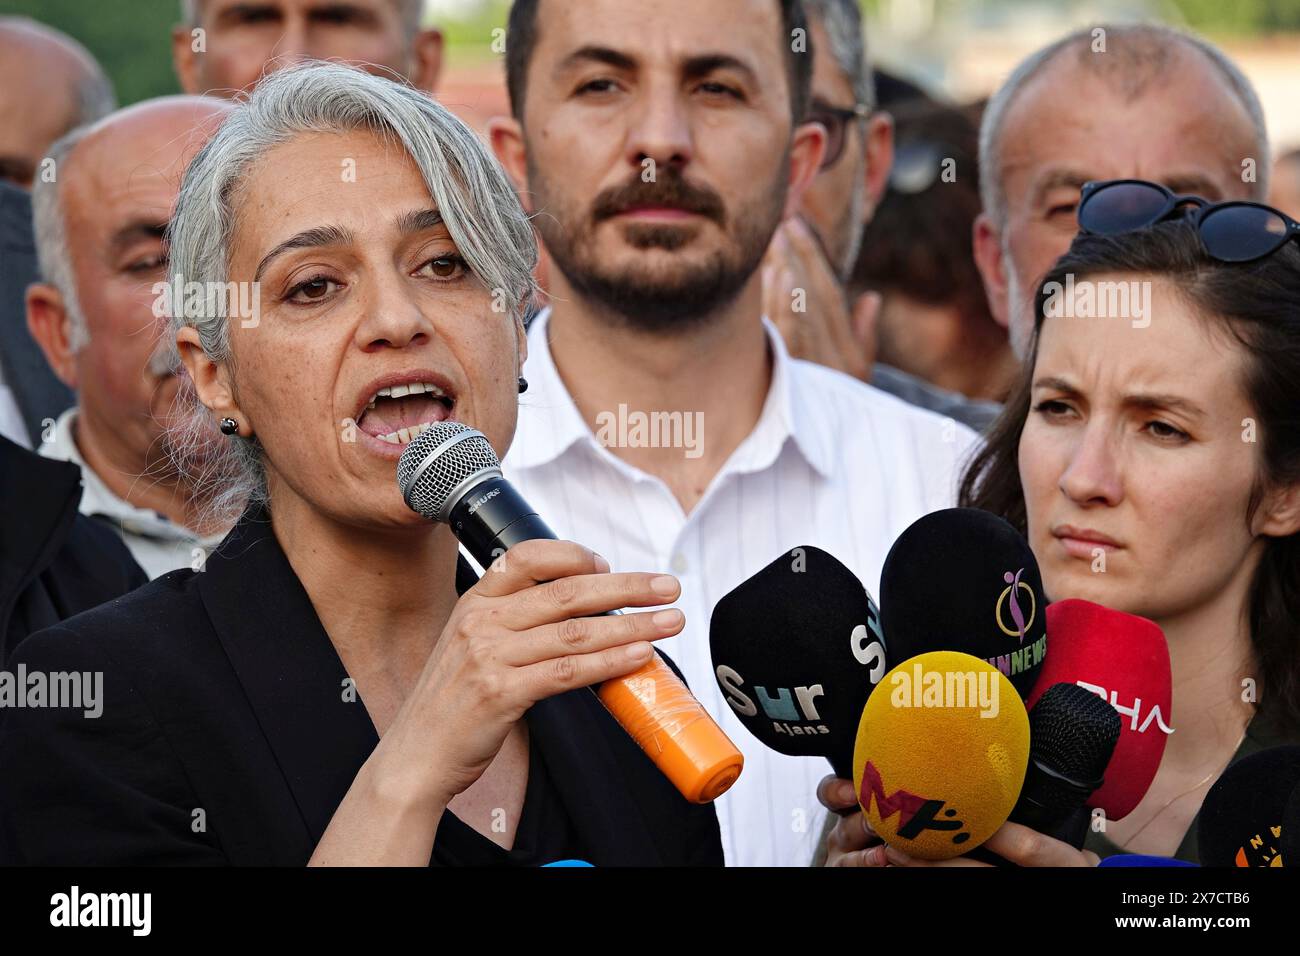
[1073,731]
[428,492]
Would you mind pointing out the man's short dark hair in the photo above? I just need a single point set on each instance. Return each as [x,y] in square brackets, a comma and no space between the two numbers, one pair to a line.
[521,38]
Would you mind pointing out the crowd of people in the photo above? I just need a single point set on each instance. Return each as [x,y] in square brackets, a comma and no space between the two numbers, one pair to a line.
[839,278]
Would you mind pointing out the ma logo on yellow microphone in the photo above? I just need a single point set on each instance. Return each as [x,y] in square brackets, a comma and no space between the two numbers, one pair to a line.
[937,765]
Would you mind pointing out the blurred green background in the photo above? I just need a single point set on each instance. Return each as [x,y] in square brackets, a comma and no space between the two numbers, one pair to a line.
[130,38]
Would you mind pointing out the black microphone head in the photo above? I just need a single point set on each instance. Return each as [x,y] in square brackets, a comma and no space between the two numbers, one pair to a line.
[965,580]
[441,464]
[1072,733]
[1241,820]
[796,651]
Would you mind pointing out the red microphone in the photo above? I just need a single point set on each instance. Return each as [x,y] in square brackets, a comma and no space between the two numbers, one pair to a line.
[1123,659]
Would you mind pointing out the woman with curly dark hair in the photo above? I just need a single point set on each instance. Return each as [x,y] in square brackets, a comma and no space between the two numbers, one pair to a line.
[1151,456]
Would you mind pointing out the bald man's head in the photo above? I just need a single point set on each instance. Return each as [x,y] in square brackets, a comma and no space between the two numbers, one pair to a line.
[1106,102]
[49,84]
[100,227]
[114,176]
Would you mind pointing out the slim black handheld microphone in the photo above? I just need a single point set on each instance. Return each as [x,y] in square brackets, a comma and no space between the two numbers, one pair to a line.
[1072,735]
[450,473]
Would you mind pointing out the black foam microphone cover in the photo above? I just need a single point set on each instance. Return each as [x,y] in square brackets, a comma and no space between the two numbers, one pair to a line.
[796,650]
[1072,735]
[965,580]
[1242,819]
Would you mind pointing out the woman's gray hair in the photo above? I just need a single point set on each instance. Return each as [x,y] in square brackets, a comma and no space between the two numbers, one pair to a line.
[471,192]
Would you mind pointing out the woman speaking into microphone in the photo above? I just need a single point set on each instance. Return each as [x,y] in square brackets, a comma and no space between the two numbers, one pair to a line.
[1163,438]
[332,686]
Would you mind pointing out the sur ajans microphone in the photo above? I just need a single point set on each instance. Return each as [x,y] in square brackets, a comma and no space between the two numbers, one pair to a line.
[796,650]
[450,474]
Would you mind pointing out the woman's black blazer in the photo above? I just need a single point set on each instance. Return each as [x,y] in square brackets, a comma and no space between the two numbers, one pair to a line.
[226,736]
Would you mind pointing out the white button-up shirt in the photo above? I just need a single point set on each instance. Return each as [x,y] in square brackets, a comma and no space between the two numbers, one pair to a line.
[831,462]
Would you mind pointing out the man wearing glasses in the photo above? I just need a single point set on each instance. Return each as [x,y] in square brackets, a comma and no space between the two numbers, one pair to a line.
[811,258]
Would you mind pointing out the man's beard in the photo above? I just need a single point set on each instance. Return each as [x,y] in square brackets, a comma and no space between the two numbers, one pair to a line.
[680,294]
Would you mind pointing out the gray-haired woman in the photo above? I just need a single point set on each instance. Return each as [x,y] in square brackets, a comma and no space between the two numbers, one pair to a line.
[332,686]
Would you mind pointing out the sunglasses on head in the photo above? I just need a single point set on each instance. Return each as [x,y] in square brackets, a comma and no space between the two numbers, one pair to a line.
[835,119]
[1235,231]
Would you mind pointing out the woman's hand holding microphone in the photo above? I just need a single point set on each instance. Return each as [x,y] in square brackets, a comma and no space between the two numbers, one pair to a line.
[852,842]
[531,628]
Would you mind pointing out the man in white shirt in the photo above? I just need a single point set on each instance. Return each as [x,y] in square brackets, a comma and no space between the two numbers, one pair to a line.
[99,236]
[657,148]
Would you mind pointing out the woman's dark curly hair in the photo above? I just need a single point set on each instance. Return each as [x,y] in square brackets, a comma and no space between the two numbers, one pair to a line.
[1258,305]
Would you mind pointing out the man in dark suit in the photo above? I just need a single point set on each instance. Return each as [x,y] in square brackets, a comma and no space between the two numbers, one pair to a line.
[56,562]
[97,317]
[30,393]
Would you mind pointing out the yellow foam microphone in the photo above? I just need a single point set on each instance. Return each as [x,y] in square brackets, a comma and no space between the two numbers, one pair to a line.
[941,753]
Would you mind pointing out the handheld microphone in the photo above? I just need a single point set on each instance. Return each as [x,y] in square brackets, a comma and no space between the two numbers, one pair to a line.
[451,474]
[796,650]
[1241,821]
[965,580]
[1072,735]
[1123,659]
[941,754]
